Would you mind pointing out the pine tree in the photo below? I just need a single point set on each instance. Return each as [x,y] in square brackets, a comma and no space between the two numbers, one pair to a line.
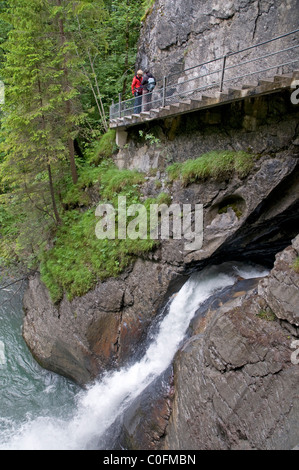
[31,73]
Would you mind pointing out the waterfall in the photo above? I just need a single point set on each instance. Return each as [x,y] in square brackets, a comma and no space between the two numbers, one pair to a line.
[103,402]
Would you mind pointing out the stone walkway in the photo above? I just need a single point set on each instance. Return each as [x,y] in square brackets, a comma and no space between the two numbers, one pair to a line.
[210,100]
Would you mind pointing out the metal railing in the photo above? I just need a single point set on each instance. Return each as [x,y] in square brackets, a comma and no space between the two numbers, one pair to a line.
[276,56]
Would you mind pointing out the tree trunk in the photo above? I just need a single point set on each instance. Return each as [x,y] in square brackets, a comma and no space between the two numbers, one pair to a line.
[126,64]
[68,103]
[57,216]
[52,192]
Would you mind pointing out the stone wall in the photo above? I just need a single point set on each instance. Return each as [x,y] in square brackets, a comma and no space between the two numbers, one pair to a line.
[260,125]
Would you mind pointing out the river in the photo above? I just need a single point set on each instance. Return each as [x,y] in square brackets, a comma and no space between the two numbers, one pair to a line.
[42,411]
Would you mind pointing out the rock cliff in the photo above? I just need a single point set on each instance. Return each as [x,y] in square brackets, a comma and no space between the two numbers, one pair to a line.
[244,394]
[179,34]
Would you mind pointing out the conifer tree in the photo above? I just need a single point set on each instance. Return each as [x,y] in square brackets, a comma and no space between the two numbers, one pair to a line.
[32,144]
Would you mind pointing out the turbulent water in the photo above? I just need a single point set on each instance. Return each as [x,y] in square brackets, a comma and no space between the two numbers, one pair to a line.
[27,392]
[41,411]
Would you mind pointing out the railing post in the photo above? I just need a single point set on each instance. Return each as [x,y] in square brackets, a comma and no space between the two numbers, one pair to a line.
[119,105]
[222,73]
[164,91]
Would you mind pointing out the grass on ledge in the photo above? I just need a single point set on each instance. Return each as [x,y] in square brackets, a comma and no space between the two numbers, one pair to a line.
[218,165]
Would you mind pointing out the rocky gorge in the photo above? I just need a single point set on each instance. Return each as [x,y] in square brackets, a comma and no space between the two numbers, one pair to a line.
[232,384]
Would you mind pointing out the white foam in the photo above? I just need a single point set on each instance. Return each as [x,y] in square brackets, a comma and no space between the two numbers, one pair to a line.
[2,354]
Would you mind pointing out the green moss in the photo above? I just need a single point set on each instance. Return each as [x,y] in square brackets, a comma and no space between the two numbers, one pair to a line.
[79,259]
[76,195]
[219,165]
[164,198]
[114,181]
[234,207]
[104,148]
[267,315]
[148,6]
[296,265]
[174,171]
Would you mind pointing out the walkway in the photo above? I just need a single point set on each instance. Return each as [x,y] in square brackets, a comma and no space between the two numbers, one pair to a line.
[260,69]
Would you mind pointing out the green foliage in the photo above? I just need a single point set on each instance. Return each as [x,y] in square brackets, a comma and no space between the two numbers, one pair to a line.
[150,138]
[148,5]
[63,62]
[220,165]
[78,259]
[103,148]
[174,171]
[164,198]
[267,315]
[115,181]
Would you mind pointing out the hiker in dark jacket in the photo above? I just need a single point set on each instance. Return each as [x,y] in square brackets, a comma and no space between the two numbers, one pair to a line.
[148,84]
[137,91]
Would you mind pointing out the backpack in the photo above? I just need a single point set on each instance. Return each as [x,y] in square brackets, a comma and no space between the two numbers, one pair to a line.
[151,84]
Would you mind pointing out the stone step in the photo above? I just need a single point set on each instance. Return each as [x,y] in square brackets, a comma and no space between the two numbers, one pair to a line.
[192,102]
[185,102]
[246,86]
[266,82]
[145,114]
[235,91]
[278,78]
[206,97]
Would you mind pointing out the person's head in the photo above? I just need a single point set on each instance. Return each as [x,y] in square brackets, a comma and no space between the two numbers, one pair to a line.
[147,72]
[139,73]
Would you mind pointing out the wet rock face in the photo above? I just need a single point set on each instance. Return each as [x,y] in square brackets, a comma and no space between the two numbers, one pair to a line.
[144,423]
[99,331]
[280,290]
[236,385]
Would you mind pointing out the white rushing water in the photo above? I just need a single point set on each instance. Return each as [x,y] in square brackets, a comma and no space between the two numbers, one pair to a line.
[99,406]
[2,354]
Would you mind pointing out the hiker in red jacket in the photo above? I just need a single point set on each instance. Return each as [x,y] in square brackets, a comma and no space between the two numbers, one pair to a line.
[137,91]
